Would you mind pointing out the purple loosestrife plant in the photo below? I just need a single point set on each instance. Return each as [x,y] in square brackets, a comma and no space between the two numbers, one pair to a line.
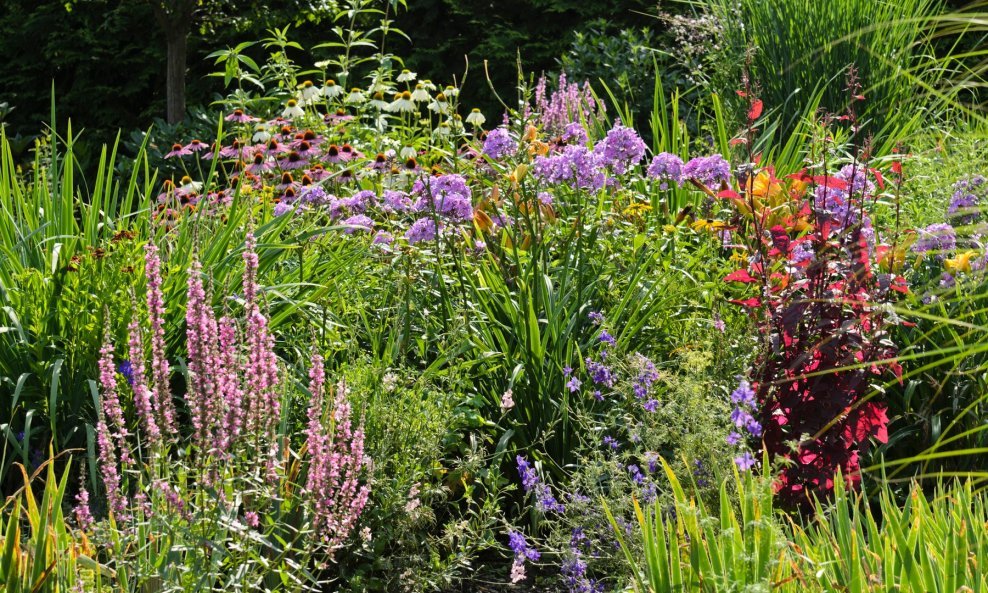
[161,395]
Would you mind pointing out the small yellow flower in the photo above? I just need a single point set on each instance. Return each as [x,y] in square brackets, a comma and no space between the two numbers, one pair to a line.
[668,228]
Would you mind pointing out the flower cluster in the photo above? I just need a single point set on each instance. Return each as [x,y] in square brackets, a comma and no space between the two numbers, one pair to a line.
[522,553]
[530,481]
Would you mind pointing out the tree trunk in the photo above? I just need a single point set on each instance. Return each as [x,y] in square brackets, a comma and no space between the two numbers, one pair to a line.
[175,18]
[178,43]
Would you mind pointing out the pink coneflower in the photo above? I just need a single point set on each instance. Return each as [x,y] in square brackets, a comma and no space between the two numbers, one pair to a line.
[167,191]
[306,150]
[240,117]
[337,117]
[197,146]
[293,160]
[210,153]
[259,164]
[317,173]
[286,181]
[234,151]
[380,163]
[178,151]
[274,148]
[348,153]
[333,154]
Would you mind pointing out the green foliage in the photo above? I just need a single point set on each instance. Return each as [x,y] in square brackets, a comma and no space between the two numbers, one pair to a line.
[745,544]
[793,49]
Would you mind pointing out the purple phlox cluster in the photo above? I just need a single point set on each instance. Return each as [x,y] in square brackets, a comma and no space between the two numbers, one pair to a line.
[574,133]
[575,165]
[832,204]
[621,149]
[744,404]
[396,201]
[666,167]
[446,195]
[937,238]
[336,462]
[856,177]
[966,200]
[545,198]
[499,144]
[358,222]
[574,567]
[801,253]
[383,238]
[423,229]
[947,280]
[568,104]
[600,373]
[711,171]
[522,552]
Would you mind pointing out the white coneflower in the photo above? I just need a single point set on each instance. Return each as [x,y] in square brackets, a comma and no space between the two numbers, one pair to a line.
[407,76]
[308,91]
[420,95]
[439,105]
[451,91]
[455,122]
[408,152]
[187,185]
[356,96]
[378,102]
[331,90]
[261,134]
[292,110]
[476,118]
[443,130]
[428,85]
[402,103]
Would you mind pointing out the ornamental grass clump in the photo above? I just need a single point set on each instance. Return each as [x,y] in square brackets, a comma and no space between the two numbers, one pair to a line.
[227,472]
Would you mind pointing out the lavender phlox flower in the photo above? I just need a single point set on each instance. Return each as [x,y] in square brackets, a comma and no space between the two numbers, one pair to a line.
[621,149]
[358,222]
[711,171]
[666,167]
[576,166]
[574,133]
[499,144]
[937,238]
[423,229]
[856,177]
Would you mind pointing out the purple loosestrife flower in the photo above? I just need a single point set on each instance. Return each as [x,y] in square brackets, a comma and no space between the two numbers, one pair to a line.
[228,383]
[111,401]
[336,462]
[621,149]
[107,451]
[160,371]
[202,335]
[711,171]
[142,393]
[499,144]
[666,167]
[83,515]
